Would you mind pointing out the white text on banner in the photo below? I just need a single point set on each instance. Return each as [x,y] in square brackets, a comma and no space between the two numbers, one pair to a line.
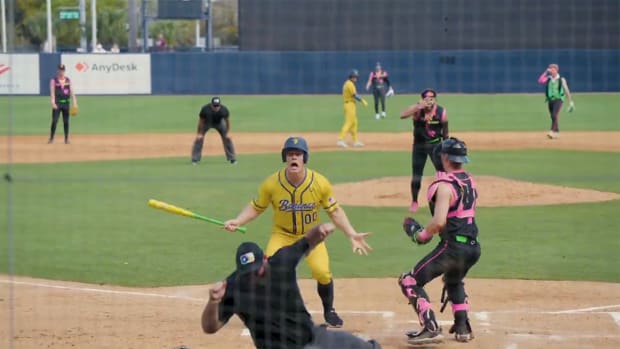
[113,74]
[19,74]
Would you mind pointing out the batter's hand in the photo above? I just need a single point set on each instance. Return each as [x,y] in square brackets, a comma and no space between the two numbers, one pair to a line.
[217,291]
[360,246]
[231,225]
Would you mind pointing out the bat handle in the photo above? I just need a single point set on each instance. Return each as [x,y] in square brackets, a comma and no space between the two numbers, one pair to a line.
[241,229]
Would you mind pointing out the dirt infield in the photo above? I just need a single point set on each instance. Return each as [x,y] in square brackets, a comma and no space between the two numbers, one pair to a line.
[505,313]
[33,149]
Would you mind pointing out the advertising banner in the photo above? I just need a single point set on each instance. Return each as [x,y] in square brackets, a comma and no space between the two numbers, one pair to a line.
[19,74]
[113,74]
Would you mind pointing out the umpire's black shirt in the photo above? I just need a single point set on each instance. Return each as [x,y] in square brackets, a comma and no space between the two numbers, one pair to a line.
[211,116]
[271,307]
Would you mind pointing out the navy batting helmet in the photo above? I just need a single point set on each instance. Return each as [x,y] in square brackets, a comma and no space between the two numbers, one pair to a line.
[353,73]
[455,149]
[295,143]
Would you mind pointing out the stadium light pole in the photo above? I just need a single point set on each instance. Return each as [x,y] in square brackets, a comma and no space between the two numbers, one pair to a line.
[3,9]
[93,21]
[49,49]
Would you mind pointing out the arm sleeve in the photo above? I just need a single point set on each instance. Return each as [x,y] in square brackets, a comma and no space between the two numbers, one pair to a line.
[328,201]
[387,81]
[262,200]
[202,113]
[542,79]
[225,113]
[226,308]
[292,254]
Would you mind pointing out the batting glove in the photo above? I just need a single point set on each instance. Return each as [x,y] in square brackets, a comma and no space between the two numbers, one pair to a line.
[571,107]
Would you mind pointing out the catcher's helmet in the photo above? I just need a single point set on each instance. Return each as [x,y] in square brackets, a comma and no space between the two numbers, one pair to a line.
[353,73]
[295,143]
[455,149]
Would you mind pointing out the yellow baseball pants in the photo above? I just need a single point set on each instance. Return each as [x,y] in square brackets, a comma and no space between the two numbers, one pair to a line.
[350,122]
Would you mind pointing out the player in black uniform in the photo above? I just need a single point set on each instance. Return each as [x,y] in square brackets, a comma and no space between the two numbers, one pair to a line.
[452,200]
[61,91]
[430,127]
[380,84]
[214,115]
[264,293]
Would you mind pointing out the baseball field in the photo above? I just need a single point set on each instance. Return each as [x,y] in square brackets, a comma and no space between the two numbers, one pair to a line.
[85,263]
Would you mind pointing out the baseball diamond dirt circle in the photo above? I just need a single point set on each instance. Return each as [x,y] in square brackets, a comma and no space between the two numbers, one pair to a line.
[505,313]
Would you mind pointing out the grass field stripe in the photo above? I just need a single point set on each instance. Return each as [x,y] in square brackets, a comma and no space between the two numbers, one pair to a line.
[581,310]
[98,290]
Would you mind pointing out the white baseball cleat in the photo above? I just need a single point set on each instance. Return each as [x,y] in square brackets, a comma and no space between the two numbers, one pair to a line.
[383,115]
[342,144]
[358,144]
[377,116]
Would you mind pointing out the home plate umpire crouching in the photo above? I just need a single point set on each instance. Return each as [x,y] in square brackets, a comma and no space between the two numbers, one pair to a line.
[263,292]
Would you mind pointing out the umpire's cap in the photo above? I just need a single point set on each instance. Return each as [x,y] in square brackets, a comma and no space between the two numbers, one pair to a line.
[353,73]
[429,92]
[216,102]
[295,143]
[249,258]
[455,149]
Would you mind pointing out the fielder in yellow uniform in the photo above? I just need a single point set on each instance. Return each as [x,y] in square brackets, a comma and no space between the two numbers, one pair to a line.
[296,194]
[349,96]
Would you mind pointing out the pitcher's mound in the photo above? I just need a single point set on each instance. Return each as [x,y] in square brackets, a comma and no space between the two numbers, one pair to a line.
[493,191]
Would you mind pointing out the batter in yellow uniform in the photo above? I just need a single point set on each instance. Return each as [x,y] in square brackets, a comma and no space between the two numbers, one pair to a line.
[349,96]
[296,194]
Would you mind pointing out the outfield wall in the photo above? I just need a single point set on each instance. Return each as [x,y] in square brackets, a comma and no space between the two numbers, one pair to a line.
[464,71]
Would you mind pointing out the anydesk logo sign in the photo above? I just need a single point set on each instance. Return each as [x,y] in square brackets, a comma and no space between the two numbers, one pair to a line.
[4,68]
[84,67]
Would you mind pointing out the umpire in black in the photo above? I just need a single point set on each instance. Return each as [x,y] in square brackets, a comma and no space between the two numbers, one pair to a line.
[264,293]
[214,115]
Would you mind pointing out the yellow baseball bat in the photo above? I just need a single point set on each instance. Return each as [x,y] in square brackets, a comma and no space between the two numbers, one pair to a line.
[183,212]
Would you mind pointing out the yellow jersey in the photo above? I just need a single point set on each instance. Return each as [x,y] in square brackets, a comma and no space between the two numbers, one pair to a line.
[295,209]
[349,91]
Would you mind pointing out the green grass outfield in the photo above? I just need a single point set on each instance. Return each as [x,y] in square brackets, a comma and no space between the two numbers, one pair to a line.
[90,222]
[289,113]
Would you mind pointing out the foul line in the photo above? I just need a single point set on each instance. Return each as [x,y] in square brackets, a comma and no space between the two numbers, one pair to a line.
[99,290]
[581,310]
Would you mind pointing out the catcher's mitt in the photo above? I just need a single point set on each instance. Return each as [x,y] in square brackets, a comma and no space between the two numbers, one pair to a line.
[74,110]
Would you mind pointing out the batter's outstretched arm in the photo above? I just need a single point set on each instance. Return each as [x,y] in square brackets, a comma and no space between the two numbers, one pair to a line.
[358,240]
[248,214]
[566,90]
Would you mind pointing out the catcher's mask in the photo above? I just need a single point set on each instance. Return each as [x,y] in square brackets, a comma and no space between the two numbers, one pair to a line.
[295,143]
[455,149]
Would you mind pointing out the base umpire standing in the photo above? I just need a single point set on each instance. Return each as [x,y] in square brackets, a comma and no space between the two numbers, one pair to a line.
[430,127]
[214,115]
[62,94]
[264,293]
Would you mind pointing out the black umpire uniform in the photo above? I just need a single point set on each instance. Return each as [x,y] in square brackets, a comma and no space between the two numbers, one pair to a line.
[214,115]
[271,307]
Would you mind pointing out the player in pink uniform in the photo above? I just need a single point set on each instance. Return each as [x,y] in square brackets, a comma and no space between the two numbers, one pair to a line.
[452,200]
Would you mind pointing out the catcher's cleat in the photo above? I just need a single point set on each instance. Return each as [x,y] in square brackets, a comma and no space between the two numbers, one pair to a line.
[332,319]
[462,332]
[424,336]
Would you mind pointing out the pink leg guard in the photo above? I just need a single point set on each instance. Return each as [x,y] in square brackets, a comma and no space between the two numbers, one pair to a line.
[407,283]
[460,307]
